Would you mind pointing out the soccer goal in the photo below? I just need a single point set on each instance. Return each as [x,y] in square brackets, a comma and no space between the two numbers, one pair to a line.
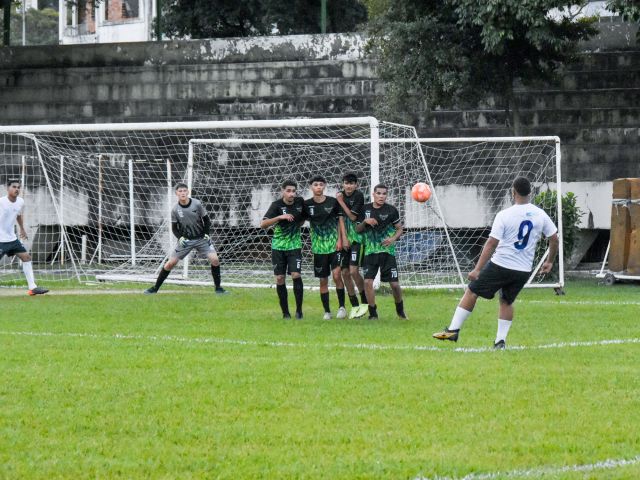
[98,197]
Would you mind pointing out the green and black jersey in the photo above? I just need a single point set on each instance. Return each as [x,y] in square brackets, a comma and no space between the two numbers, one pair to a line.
[323,220]
[355,202]
[286,235]
[388,218]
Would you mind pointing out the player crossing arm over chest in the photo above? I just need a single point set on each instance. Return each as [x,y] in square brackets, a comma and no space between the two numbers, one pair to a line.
[379,219]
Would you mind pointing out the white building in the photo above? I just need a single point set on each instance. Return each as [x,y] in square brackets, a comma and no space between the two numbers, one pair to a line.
[106,21]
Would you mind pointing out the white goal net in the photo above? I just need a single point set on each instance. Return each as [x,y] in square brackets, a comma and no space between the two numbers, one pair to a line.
[98,197]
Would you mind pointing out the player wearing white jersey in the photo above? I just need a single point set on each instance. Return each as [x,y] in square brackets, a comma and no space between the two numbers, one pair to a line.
[506,261]
[11,212]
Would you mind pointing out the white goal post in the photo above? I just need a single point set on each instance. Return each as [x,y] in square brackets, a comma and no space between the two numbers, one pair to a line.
[98,197]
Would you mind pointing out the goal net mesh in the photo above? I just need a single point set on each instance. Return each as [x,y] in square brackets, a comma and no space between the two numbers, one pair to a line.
[97,203]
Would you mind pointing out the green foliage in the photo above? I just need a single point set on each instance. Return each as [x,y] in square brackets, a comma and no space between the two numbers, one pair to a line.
[41,26]
[226,18]
[186,385]
[375,8]
[571,214]
[445,53]
[629,10]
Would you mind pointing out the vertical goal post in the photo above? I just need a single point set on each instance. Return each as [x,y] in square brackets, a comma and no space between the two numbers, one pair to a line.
[236,168]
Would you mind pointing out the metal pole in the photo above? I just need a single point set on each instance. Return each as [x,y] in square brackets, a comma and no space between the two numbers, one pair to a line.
[83,250]
[99,209]
[132,224]
[159,20]
[61,200]
[169,204]
[559,205]
[7,23]
[23,173]
[323,16]
[24,23]
[185,265]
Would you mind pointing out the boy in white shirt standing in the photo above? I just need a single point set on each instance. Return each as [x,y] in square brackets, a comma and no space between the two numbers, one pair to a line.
[506,261]
[11,208]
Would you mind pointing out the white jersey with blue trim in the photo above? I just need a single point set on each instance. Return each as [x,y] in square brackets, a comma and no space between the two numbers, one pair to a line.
[518,229]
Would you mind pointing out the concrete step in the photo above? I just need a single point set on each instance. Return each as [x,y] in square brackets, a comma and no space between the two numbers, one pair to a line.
[588,80]
[594,98]
[192,91]
[189,73]
[588,162]
[608,60]
[548,119]
[91,112]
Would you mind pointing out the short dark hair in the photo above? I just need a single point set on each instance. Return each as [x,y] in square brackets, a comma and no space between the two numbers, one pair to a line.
[317,178]
[522,186]
[380,185]
[13,180]
[350,178]
[181,185]
[289,183]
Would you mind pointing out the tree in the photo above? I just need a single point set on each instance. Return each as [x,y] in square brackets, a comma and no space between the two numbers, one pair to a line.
[447,53]
[232,18]
[629,10]
[41,27]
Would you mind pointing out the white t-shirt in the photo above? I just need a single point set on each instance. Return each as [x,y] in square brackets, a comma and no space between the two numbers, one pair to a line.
[9,211]
[518,228]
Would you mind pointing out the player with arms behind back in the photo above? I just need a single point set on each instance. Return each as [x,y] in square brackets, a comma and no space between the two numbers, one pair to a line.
[381,227]
[190,224]
[11,211]
[506,261]
[326,222]
[286,215]
[351,201]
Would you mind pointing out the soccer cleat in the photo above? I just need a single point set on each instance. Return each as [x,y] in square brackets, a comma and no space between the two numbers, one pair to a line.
[499,345]
[37,291]
[373,317]
[359,311]
[326,316]
[151,291]
[221,291]
[447,334]
[342,313]
[299,315]
[403,316]
[286,316]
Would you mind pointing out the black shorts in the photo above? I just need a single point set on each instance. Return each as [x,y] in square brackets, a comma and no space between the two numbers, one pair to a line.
[286,261]
[343,258]
[11,248]
[382,261]
[357,254]
[494,277]
[324,263]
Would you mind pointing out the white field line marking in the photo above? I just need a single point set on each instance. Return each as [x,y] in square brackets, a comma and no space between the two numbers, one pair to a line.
[608,464]
[347,346]
[581,302]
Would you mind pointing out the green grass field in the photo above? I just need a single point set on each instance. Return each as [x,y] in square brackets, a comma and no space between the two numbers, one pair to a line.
[190,385]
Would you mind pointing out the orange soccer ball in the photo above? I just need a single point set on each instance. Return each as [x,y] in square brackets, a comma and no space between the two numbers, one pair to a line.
[421,192]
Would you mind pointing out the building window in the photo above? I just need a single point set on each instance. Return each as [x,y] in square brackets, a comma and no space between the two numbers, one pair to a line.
[121,9]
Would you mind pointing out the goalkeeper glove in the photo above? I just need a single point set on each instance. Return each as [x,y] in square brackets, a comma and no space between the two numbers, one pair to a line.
[206,237]
[183,242]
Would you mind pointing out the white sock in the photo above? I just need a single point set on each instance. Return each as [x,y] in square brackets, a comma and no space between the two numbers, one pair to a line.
[458,319]
[27,268]
[503,329]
